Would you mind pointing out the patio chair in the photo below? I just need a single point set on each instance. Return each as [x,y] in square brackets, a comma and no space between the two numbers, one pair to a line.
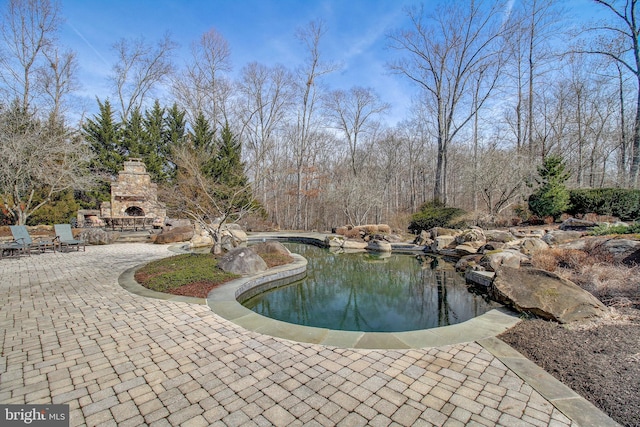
[13,249]
[21,237]
[65,237]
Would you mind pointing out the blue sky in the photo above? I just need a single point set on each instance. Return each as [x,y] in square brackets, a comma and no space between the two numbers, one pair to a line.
[257,30]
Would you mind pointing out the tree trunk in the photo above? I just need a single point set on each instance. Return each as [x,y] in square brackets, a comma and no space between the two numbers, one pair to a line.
[438,190]
[635,161]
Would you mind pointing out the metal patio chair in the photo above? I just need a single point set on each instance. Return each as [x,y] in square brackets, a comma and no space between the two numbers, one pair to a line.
[66,239]
[21,237]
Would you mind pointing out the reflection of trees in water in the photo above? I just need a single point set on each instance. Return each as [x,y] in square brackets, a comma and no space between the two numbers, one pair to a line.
[363,295]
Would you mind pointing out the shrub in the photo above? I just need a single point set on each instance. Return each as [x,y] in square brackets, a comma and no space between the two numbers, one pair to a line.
[593,270]
[553,259]
[618,202]
[551,199]
[434,214]
[605,229]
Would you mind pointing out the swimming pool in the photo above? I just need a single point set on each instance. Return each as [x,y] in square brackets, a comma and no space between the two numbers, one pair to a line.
[371,293]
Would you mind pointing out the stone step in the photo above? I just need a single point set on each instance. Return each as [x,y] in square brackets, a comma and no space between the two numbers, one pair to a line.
[136,237]
[480,278]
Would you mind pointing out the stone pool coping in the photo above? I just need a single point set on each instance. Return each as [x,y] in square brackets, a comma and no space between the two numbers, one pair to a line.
[224,302]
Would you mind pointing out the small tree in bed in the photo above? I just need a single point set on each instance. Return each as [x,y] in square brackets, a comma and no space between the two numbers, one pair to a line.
[211,186]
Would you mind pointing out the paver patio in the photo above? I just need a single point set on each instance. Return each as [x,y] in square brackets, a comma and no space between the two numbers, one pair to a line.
[70,334]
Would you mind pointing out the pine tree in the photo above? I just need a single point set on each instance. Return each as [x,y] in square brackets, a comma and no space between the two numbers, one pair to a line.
[202,141]
[176,126]
[133,136]
[228,168]
[103,135]
[155,155]
[174,135]
[552,197]
[202,135]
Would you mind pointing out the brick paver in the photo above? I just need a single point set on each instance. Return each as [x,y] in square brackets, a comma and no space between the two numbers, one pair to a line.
[70,334]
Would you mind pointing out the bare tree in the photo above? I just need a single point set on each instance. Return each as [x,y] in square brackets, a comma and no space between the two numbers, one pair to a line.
[354,113]
[38,162]
[308,76]
[202,86]
[442,53]
[58,79]
[619,42]
[28,28]
[266,97]
[138,70]
[501,186]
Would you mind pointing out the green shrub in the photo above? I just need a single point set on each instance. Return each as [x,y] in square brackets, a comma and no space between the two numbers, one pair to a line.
[60,210]
[605,229]
[619,202]
[434,214]
[551,199]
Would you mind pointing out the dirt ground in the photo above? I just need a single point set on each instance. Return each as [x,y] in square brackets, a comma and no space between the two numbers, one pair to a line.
[600,361]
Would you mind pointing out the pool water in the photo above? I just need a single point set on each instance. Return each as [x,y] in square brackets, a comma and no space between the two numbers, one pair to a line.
[371,293]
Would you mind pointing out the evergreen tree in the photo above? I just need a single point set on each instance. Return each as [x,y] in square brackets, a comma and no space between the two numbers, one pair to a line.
[156,156]
[227,170]
[103,135]
[202,141]
[133,136]
[227,166]
[174,135]
[176,127]
[202,135]
[552,197]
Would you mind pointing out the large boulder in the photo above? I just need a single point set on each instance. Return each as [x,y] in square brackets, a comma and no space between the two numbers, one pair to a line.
[531,245]
[498,236]
[575,224]
[492,261]
[238,235]
[242,261]
[443,242]
[423,239]
[378,245]
[526,232]
[490,246]
[468,262]
[465,249]
[544,294]
[354,244]
[201,240]
[440,231]
[333,241]
[271,248]
[558,237]
[471,235]
[98,236]
[175,234]
[624,251]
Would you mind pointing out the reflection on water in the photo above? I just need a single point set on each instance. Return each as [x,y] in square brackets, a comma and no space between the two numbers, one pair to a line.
[369,293]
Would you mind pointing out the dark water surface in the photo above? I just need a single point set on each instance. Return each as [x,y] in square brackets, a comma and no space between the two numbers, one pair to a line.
[371,293]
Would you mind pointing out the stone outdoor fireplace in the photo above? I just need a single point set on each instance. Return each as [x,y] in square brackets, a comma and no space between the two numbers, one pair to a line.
[134,199]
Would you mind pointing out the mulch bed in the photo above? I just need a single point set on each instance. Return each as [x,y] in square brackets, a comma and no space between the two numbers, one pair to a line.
[195,289]
[601,363]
